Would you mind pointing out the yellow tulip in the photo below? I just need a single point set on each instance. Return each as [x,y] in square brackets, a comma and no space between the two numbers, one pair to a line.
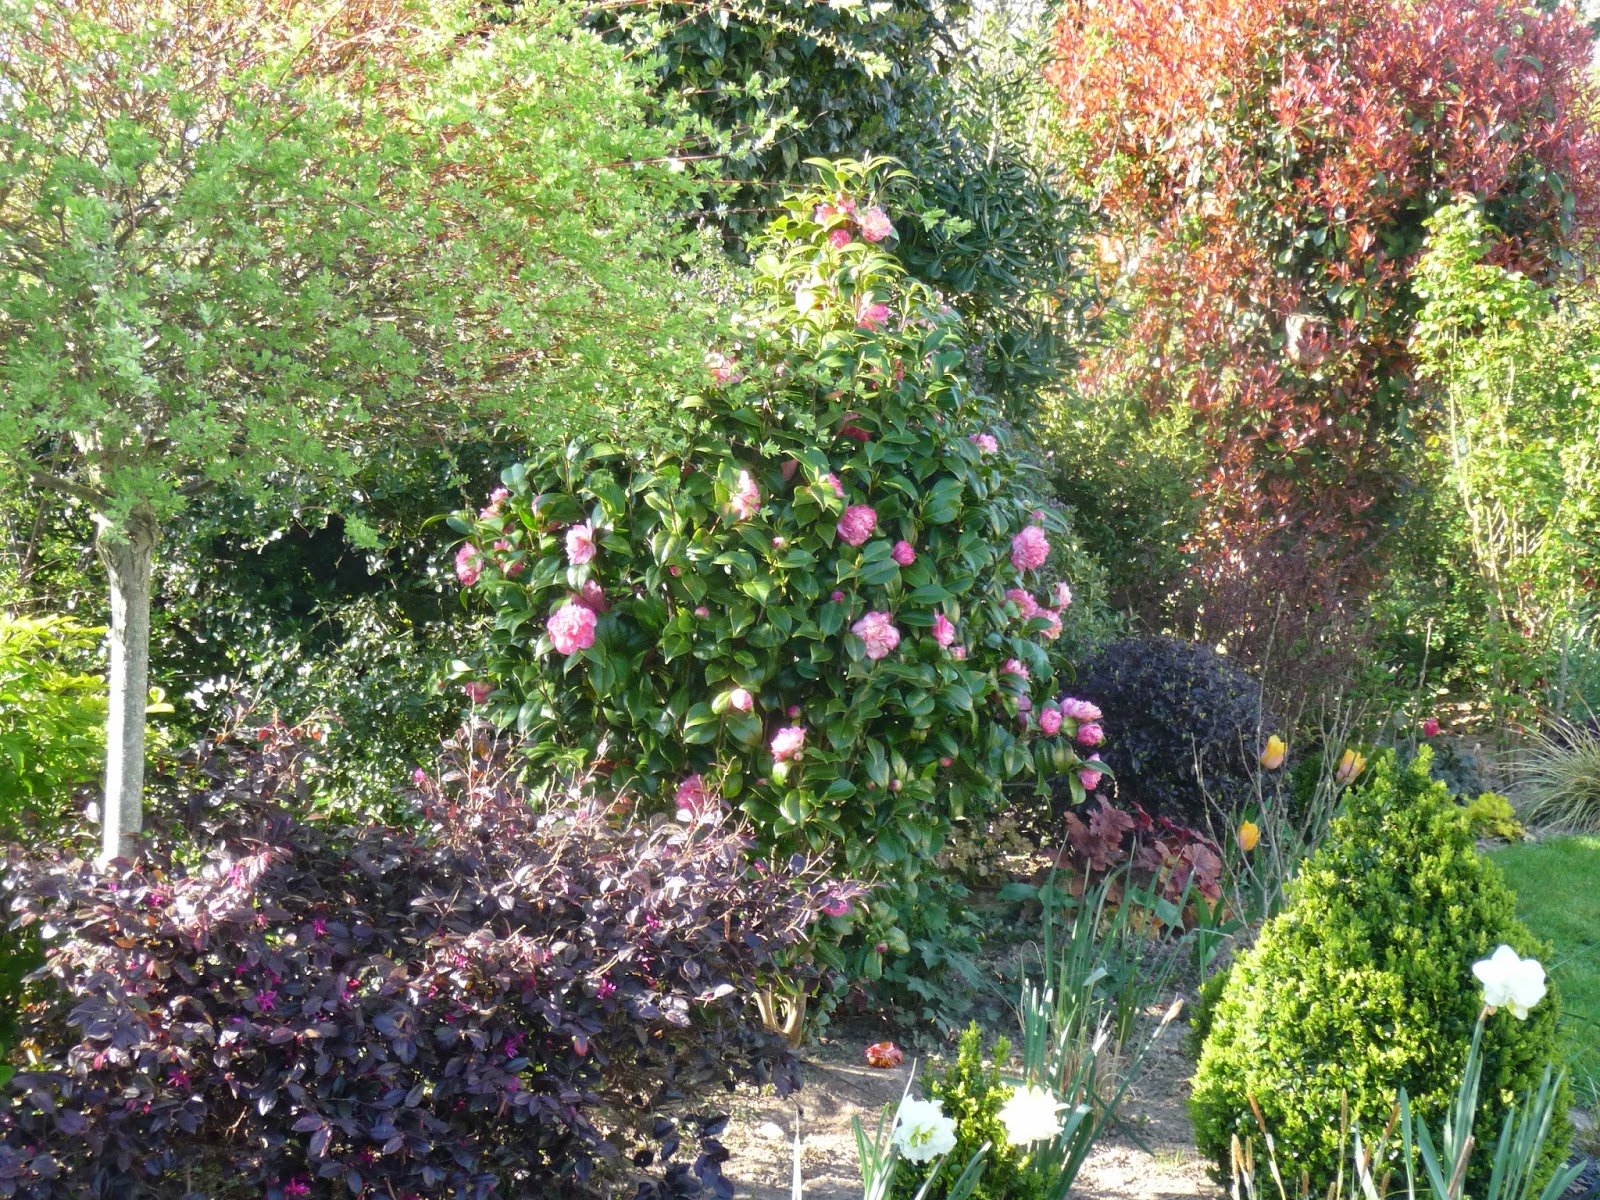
[1351,764]
[1272,756]
[1250,832]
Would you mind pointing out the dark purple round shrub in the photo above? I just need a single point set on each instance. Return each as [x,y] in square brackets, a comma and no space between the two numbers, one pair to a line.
[458,1009]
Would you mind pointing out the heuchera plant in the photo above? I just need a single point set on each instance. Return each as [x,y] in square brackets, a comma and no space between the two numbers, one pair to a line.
[830,607]
[391,1012]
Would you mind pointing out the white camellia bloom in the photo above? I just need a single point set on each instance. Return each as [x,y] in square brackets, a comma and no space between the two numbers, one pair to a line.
[921,1130]
[1510,982]
[1032,1114]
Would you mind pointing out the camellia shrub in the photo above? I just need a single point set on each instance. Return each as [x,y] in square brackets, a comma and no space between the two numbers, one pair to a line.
[827,606]
[1364,985]
[460,1009]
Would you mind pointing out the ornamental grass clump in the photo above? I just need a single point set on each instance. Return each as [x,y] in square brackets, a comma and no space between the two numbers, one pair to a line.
[830,605]
[1364,987]
[485,1004]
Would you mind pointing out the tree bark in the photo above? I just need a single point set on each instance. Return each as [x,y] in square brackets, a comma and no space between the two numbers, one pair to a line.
[128,550]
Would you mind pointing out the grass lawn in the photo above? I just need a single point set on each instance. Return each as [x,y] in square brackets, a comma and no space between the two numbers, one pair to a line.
[1558,895]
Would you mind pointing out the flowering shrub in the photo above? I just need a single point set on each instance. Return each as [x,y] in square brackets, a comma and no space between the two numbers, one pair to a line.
[831,609]
[387,1012]
[1365,985]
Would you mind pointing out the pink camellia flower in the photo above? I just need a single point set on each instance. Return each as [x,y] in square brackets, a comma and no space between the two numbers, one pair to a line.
[723,369]
[1029,548]
[702,611]
[985,442]
[857,524]
[1088,776]
[904,553]
[593,597]
[880,635]
[793,710]
[835,905]
[746,500]
[741,700]
[871,316]
[837,596]
[1090,734]
[1013,666]
[1050,721]
[875,225]
[946,761]
[476,690]
[497,500]
[1027,606]
[1080,710]
[469,564]
[832,481]
[1063,594]
[571,627]
[959,653]
[516,566]
[839,238]
[581,547]
[943,631]
[788,742]
[1430,727]
[1053,630]
[419,777]
[694,803]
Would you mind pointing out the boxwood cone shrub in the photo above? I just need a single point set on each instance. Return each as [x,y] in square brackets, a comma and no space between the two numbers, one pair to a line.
[461,1009]
[824,607]
[1189,724]
[1364,985]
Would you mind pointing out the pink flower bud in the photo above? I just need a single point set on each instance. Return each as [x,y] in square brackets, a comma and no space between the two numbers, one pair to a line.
[741,700]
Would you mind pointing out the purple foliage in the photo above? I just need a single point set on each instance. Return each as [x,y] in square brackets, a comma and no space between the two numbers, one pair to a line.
[454,1009]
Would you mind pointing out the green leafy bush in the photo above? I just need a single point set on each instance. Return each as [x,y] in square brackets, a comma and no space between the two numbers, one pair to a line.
[817,608]
[52,719]
[1491,815]
[972,1095]
[1364,986]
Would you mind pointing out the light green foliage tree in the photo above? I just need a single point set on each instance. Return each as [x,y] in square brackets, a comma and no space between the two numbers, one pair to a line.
[52,718]
[1516,369]
[251,244]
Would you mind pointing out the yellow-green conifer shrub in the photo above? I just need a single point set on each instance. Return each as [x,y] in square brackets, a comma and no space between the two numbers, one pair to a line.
[1364,986]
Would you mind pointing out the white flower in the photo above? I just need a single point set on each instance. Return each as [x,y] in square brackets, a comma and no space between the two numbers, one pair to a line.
[1510,982]
[1032,1114]
[921,1130]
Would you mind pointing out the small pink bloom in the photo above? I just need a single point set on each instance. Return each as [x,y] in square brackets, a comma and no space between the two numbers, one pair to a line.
[1063,594]
[476,690]
[469,564]
[746,500]
[1050,721]
[880,635]
[1090,734]
[1024,703]
[741,700]
[836,906]
[857,524]
[959,653]
[702,611]
[848,428]
[1027,606]
[793,710]
[943,631]
[904,553]
[1013,666]
[723,369]
[694,804]
[778,543]
[571,627]
[788,742]
[1430,727]
[837,596]
[1029,548]
[1052,631]
[497,500]
[985,442]
[895,785]
[946,761]
[839,238]
[871,316]
[419,777]
[674,570]
[832,481]
[580,544]
[1080,710]
[875,224]
[1088,776]
[593,597]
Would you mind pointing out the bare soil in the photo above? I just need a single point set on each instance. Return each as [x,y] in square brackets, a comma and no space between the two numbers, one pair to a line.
[1154,1159]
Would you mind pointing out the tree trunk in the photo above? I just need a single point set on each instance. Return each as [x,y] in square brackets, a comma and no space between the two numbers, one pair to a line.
[128,550]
